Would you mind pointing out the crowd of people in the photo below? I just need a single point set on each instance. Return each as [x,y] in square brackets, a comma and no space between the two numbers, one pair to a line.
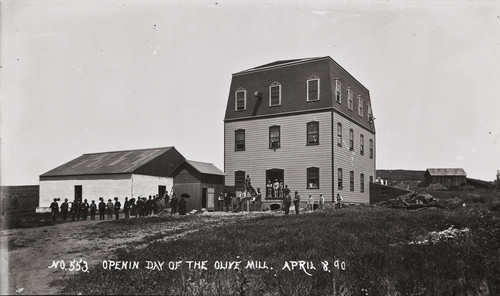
[140,207]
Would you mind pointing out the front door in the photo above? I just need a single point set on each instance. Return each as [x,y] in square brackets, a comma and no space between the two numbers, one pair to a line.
[78,193]
[204,198]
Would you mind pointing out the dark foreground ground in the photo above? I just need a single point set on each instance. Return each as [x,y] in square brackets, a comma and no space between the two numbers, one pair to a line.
[360,250]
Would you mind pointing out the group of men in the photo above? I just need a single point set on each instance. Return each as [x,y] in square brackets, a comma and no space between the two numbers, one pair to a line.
[142,207]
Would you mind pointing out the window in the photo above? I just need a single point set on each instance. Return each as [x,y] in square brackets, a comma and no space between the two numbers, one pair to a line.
[239,139]
[371,148]
[312,178]
[239,180]
[351,179]
[361,144]
[360,106]
[371,179]
[313,89]
[351,139]
[275,94]
[339,134]
[370,115]
[350,102]
[338,90]
[313,133]
[274,136]
[241,99]
[339,179]
[362,182]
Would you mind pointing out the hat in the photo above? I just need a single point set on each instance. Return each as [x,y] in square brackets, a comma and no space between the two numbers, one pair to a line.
[296,191]
[109,199]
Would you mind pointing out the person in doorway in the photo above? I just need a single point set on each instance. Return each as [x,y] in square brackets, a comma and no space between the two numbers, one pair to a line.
[93,208]
[276,186]
[64,209]
[280,189]
[269,187]
[102,208]
[54,207]
[296,202]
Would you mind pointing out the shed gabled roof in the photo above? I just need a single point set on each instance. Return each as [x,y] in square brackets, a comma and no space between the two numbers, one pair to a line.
[205,167]
[114,162]
[447,172]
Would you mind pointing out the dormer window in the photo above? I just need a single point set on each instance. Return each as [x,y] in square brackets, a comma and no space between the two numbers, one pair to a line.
[370,115]
[313,89]
[240,98]
[338,91]
[360,106]
[275,94]
[350,100]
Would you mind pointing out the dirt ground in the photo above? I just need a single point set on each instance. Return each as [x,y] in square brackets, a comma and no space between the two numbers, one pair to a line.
[31,251]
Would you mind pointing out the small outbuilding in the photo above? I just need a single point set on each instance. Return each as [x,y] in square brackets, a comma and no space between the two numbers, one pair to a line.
[202,181]
[446,177]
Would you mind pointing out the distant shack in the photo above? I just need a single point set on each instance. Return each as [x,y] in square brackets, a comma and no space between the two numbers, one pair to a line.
[447,177]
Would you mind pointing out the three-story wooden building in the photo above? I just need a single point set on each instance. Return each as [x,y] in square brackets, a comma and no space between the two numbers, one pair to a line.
[306,123]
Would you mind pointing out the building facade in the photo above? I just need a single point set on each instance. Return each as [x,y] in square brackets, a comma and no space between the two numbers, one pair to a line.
[306,123]
[448,177]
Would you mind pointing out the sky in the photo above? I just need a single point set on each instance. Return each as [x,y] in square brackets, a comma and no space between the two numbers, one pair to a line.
[82,77]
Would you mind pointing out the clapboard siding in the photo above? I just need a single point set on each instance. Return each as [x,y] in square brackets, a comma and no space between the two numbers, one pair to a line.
[352,160]
[294,156]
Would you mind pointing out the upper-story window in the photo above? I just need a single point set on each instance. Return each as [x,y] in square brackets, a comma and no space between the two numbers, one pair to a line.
[369,107]
[371,148]
[351,139]
[275,94]
[350,100]
[274,136]
[313,133]
[338,91]
[361,144]
[239,139]
[360,106]
[240,98]
[313,89]
[339,134]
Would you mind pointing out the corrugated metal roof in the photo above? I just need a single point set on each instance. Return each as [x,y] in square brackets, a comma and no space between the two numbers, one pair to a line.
[447,172]
[205,168]
[114,162]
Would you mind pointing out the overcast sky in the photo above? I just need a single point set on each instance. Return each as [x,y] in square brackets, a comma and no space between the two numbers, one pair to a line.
[93,76]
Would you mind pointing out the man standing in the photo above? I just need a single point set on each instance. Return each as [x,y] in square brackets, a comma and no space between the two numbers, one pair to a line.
[296,202]
[109,208]
[54,206]
[276,186]
[93,208]
[118,205]
[126,208]
[339,201]
[321,201]
[221,202]
[75,210]
[287,202]
[85,209]
[64,209]
[310,203]
[173,204]
[102,208]
[227,201]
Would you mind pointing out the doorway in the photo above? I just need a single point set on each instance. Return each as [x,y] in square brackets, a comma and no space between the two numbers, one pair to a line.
[204,198]
[274,176]
[78,193]
[161,190]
